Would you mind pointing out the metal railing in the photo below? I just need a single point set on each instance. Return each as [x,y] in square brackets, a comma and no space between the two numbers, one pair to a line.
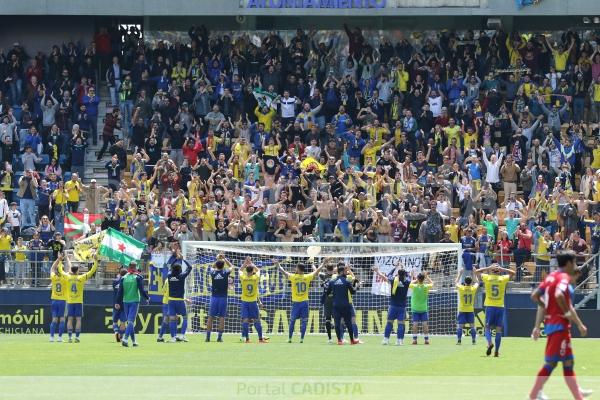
[586,286]
[26,269]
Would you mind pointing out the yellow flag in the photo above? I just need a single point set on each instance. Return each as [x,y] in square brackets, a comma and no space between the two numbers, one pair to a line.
[310,162]
[82,248]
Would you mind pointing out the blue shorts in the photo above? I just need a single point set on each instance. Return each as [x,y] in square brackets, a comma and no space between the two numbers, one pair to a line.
[494,316]
[299,310]
[119,315]
[218,306]
[177,307]
[465,318]
[165,310]
[131,310]
[420,316]
[58,308]
[352,311]
[75,310]
[396,312]
[249,310]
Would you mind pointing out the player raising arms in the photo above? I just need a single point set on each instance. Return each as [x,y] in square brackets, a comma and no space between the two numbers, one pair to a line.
[118,315]
[399,281]
[58,298]
[177,306]
[555,308]
[351,276]
[300,281]
[327,298]
[418,305]
[164,326]
[249,279]
[219,276]
[342,287]
[75,284]
[466,309]
[131,290]
[495,288]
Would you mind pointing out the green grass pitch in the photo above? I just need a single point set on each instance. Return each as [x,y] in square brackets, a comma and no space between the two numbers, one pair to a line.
[99,368]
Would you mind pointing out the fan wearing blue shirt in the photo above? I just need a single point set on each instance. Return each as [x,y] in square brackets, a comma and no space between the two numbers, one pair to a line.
[468,247]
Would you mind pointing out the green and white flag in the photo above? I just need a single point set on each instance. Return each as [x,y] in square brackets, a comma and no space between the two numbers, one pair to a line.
[119,247]
[264,98]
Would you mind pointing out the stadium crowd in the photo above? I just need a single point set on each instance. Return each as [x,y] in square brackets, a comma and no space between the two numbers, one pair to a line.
[487,138]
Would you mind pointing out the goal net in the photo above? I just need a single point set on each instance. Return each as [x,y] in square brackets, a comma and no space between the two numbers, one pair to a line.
[441,261]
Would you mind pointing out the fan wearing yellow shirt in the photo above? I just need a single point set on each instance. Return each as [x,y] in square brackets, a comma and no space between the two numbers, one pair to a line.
[209,224]
[58,298]
[495,289]
[370,150]
[542,260]
[73,189]
[249,280]
[300,281]
[560,55]
[466,309]
[453,131]
[452,230]
[75,283]
[242,149]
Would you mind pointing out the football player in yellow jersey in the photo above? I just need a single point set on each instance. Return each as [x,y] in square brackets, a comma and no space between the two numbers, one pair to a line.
[58,298]
[495,288]
[75,284]
[249,279]
[164,327]
[466,305]
[300,281]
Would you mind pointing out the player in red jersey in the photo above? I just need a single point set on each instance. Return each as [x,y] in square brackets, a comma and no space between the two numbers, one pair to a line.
[553,297]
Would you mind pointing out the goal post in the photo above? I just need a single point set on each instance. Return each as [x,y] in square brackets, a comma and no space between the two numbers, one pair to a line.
[440,260]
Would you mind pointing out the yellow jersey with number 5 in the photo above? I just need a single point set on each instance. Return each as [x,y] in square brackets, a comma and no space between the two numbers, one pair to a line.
[495,288]
[466,297]
[249,286]
[300,286]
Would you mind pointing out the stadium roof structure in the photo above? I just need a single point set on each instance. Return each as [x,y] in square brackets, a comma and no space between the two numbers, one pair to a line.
[349,8]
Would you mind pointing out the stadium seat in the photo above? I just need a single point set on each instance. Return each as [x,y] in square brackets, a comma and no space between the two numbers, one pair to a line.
[45,159]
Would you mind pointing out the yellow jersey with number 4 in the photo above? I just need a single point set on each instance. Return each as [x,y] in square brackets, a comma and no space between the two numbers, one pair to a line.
[300,286]
[75,284]
[495,288]
[466,297]
[249,286]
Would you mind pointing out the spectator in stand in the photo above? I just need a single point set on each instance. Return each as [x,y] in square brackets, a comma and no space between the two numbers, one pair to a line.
[348,142]
[91,102]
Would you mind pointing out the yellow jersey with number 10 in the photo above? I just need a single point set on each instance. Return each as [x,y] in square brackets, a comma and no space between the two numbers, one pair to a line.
[495,288]
[466,297]
[300,286]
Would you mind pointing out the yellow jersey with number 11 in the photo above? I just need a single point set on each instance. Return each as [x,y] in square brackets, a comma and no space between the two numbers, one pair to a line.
[466,297]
